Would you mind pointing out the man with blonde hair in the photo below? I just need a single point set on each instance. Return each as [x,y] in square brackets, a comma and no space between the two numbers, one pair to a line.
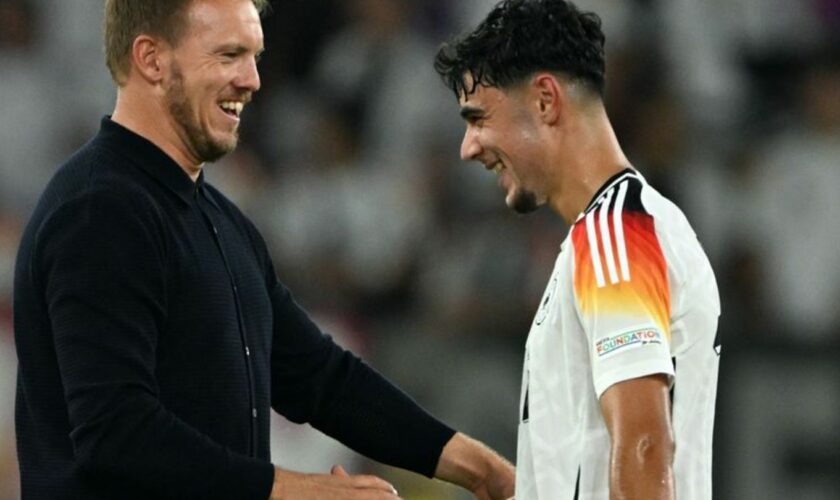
[152,333]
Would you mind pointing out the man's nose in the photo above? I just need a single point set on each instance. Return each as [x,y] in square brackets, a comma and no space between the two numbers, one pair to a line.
[470,147]
[249,76]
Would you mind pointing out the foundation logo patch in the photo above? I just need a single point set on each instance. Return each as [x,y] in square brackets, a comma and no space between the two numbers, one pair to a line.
[608,346]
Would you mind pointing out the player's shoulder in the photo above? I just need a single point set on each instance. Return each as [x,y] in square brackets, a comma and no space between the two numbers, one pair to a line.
[628,196]
[620,231]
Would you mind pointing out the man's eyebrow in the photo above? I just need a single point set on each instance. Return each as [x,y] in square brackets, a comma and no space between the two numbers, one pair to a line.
[470,113]
[236,48]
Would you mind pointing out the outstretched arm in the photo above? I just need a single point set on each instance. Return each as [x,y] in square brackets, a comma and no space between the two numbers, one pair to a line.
[316,381]
[464,462]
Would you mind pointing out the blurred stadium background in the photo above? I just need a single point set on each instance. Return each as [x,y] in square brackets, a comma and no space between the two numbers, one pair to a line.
[349,165]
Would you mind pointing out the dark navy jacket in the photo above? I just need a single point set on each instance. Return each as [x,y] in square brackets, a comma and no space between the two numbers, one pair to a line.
[153,338]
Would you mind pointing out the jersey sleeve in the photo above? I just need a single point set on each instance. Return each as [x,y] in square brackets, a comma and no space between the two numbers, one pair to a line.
[621,288]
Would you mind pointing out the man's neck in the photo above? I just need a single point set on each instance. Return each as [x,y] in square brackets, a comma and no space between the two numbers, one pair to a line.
[146,118]
[589,157]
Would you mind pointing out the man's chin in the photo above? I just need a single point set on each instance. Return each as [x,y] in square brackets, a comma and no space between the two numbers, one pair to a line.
[523,202]
[213,151]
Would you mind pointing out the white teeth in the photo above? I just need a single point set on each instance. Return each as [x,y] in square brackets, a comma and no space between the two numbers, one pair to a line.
[234,106]
[497,168]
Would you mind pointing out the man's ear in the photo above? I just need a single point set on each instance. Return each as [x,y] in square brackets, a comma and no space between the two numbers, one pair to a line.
[549,96]
[149,57]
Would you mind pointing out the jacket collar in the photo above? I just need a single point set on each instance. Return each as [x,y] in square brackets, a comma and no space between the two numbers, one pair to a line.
[150,158]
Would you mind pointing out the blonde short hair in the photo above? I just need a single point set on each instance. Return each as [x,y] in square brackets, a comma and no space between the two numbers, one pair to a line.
[125,20]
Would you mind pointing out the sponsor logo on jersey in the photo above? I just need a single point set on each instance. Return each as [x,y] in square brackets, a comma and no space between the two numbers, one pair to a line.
[625,341]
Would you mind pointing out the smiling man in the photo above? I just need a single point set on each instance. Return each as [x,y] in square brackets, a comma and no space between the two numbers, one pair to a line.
[621,363]
[153,336]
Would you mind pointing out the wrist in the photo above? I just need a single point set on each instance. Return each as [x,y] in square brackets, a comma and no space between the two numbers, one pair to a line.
[277,485]
[465,462]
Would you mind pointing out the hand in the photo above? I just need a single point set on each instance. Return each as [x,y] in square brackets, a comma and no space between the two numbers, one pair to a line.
[472,465]
[498,483]
[338,484]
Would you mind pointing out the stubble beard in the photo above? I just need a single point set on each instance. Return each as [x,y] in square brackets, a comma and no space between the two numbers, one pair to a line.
[183,113]
[524,202]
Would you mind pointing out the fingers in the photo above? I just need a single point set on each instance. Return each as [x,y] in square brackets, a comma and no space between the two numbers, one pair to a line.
[338,470]
[373,482]
[336,485]
[363,481]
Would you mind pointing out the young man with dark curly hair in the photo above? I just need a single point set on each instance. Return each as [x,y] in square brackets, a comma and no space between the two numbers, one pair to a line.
[621,363]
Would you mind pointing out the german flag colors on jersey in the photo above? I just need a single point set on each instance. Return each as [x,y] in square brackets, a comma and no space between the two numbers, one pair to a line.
[632,294]
[619,265]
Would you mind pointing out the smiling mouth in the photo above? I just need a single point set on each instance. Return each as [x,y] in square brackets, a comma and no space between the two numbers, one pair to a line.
[495,167]
[232,108]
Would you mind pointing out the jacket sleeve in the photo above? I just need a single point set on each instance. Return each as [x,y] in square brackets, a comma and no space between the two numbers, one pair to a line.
[316,381]
[101,259]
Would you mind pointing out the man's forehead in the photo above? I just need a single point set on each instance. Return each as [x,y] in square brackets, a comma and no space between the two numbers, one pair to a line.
[480,95]
[219,15]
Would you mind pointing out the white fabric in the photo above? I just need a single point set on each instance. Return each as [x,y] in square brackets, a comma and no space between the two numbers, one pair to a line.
[592,331]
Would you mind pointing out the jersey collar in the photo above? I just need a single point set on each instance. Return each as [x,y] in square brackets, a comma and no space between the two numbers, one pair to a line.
[612,181]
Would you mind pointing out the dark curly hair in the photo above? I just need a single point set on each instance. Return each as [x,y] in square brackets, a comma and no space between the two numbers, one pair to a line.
[521,37]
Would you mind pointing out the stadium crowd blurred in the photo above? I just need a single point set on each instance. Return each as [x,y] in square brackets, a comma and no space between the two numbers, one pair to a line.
[349,165]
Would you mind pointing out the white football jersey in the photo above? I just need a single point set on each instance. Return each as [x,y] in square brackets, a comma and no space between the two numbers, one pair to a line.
[632,294]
